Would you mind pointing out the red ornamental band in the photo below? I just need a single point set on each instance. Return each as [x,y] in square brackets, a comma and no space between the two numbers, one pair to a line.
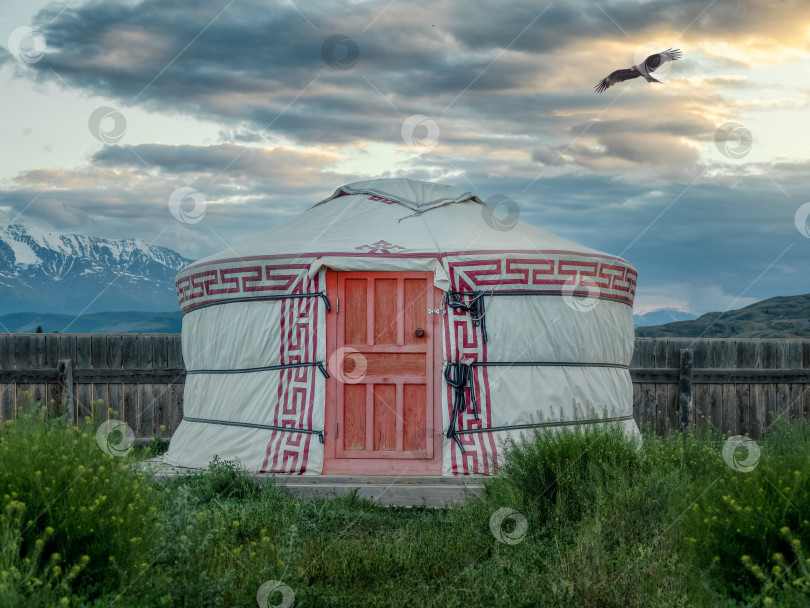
[222,284]
[605,278]
[288,452]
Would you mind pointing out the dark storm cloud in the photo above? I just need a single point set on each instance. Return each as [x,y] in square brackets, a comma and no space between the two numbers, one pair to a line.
[256,163]
[565,24]
[248,60]
[711,232]
[257,69]
[510,89]
[255,58]
[124,191]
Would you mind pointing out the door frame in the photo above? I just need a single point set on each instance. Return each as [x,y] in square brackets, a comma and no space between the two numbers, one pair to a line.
[332,465]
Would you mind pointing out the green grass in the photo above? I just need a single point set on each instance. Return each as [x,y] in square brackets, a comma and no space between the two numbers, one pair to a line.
[74,521]
[661,522]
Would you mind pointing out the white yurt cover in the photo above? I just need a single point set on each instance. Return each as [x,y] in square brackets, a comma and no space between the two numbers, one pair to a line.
[259,308]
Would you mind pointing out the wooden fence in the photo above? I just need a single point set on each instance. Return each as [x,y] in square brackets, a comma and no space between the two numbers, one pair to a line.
[138,376]
[737,386]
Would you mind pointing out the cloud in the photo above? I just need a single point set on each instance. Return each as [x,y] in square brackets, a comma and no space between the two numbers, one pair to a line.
[123,191]
[734,232]
[286,169]
[257,68]
[632,172]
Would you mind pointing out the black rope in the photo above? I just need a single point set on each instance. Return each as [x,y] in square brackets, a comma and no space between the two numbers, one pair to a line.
[319,364]
[268,427]
[317,294]
[558,292]
[476,307]
[455,299]
[548,364]
[459,376]
[545,424]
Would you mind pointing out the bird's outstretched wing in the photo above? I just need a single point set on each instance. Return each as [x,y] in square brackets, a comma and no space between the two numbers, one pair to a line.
[615,77]
[653,62]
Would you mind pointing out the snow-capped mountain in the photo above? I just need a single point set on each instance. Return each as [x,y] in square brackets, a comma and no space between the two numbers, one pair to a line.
[70,273]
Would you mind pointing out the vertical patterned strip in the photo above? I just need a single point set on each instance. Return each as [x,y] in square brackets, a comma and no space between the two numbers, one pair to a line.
[464,342]
[288,452]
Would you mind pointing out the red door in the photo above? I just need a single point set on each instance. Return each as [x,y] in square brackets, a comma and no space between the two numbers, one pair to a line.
[382,341]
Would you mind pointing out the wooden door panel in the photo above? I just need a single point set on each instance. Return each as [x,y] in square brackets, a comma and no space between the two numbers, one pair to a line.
[384,411]
[386,311]
[414,315]
[354,418]
[385,418]
[411,365]
[414,417]
[355,305]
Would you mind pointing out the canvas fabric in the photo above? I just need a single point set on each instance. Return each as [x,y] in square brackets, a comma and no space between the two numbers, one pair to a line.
[231,323]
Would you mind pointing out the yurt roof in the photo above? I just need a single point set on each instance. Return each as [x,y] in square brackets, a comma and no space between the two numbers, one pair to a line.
[398,217]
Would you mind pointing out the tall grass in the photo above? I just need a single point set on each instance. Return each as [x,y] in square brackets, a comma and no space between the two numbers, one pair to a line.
[75,521]
[749,531]
[611,522]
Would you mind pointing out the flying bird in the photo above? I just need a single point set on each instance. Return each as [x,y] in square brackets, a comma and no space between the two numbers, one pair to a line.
[652,63]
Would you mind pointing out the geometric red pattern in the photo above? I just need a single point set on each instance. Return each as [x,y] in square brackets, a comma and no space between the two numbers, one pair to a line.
[610,279]
[605,279]
[288,452]
[238,280]
[463,342]
[221,280]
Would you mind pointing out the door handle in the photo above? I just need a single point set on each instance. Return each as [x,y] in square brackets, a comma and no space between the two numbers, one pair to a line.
[335,430]
[419,332]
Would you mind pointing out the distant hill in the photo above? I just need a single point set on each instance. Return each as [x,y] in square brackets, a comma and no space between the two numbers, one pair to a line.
[659,317]
[95,323]
[781,317]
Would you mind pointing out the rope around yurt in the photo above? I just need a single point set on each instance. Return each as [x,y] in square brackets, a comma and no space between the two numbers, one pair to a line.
[459,376]
[475,307]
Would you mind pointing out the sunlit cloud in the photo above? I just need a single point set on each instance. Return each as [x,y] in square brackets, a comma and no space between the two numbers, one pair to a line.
[637,171]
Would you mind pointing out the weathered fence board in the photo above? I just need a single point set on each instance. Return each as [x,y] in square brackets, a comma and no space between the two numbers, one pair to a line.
[98,360]
[53,392]
[115,387]
[7,398]
[175,396]
[84,390]
[22,357]
[67,352]
[160,395]
[737,385]
[138,377]
[685,388]
[37,359]
[129,360]
[146,414]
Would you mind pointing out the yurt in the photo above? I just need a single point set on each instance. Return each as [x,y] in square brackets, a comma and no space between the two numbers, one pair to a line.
[399,327]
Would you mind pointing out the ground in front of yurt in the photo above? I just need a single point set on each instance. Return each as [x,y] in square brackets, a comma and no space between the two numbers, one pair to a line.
[401,491]
[586,518]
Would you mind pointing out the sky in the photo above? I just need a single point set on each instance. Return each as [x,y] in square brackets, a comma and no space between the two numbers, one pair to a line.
[195,124]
